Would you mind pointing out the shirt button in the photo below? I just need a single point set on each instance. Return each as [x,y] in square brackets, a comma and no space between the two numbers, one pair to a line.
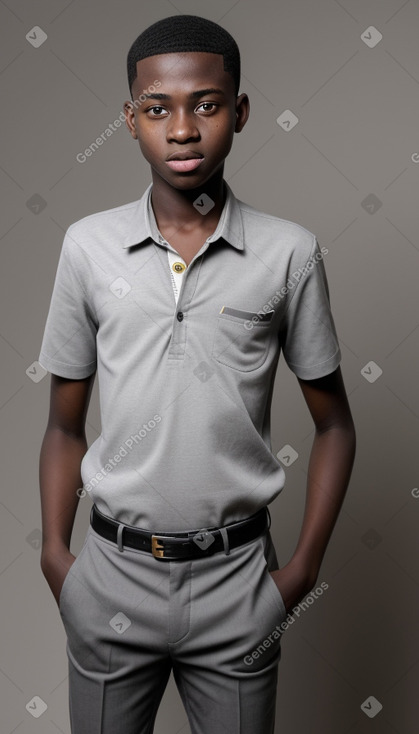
[179,316]
[178,267]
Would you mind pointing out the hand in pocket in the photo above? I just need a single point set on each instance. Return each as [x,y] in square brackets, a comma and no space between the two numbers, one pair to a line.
[292,583]
[55,567]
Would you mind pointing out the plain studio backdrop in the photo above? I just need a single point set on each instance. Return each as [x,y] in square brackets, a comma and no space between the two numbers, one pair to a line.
[331,143]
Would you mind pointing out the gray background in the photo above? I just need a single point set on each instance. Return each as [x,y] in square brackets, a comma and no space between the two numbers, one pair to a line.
[355,142]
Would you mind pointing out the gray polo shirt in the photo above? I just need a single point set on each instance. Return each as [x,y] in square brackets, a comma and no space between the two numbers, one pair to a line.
[186,386]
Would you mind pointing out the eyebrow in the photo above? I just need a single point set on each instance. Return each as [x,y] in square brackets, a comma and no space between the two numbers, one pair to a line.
[193,95]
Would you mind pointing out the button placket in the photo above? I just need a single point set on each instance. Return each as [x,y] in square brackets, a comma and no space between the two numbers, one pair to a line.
[177,346]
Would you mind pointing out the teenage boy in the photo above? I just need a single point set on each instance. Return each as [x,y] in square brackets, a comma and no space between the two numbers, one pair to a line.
[182,301]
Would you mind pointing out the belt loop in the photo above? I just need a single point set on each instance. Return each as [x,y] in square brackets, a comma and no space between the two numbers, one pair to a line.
[224,535]
[119,540]
[269,516]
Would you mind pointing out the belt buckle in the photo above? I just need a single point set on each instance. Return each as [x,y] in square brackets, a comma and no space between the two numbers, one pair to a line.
[160,551]
[156,549]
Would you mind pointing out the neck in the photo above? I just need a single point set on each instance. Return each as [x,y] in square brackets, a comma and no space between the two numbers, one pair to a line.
[174,207]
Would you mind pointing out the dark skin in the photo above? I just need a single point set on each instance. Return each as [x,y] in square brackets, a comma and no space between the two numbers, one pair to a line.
[62,450]
[205,123]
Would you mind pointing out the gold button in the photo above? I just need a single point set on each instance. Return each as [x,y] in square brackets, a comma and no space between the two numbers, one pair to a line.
[178,267]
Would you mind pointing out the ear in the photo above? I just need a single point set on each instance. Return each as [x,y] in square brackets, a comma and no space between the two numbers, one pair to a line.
[242,112]
[129,112]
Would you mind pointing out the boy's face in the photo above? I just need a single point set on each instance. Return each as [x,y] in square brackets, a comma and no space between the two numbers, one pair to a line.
[203,124]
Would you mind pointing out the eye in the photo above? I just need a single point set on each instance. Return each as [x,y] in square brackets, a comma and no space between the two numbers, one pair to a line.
[161,109]
[207,104]
[156,107]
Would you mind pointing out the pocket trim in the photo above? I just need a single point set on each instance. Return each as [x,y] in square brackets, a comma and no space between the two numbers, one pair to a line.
[248,315]
[66,577]
[279,599]
[277,591]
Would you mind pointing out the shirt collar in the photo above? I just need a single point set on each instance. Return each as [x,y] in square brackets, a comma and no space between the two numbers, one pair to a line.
[142,225]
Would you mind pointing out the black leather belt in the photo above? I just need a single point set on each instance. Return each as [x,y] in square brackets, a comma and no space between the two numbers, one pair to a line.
[187,544]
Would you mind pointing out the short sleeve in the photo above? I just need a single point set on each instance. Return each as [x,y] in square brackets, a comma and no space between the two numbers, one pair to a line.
[68,347]
[308,335]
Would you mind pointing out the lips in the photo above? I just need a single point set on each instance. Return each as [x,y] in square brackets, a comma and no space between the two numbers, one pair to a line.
[186,165]
[184,155]
[184,160]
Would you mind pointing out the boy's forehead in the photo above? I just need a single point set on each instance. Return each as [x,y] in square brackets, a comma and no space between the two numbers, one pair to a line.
[183,71]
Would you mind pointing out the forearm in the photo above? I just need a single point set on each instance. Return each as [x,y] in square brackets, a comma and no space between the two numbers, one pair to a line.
[329,471]
[59,479]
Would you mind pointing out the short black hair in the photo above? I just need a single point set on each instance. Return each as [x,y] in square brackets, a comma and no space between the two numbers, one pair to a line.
[185,33]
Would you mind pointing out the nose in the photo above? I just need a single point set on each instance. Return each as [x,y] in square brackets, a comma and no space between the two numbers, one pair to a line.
[182,127]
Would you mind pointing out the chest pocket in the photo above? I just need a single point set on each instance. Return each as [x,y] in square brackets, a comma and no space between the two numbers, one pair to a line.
[239,342]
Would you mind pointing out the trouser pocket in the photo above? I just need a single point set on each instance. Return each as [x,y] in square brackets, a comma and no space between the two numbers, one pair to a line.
[269,562]
[72,573]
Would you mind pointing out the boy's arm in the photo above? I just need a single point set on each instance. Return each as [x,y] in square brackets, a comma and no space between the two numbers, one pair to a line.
[329,471]
[62,450]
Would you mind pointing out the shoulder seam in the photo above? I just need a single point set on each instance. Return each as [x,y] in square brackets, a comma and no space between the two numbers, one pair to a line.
[115,209]
[265,215]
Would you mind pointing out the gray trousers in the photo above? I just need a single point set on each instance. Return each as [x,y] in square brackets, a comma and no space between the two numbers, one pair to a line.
[131,618]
